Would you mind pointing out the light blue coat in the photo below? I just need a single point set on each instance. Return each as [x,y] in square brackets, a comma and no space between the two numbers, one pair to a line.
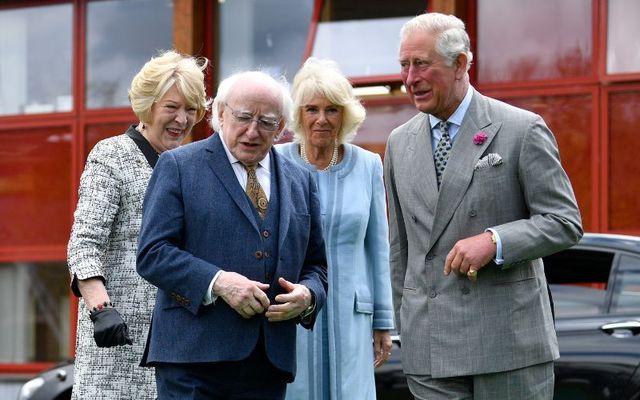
[335,360]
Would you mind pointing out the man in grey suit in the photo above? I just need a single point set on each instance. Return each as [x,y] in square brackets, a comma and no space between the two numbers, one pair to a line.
[474,202]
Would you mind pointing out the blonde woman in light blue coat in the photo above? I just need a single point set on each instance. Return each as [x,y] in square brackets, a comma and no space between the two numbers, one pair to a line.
[336,360]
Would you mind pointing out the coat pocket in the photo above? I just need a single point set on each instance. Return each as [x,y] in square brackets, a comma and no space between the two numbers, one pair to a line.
[363,304]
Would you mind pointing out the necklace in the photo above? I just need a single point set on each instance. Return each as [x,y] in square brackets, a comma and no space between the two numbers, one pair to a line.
[334,157]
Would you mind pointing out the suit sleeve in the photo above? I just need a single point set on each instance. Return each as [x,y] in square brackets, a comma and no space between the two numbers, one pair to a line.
[398,248]
[376,243]
[161,260]
[314,270]
[554,222]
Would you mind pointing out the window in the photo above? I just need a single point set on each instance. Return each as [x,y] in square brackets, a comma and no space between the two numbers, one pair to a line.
[363,36]
[35,177]
[269,35]
[626,289]
[35,61]
[121,36]
[623,52]
[522,41]
[34,318]
[624,169]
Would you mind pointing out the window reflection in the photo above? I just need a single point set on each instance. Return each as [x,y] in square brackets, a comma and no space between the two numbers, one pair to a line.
[363,35]
[545,39]
[34,317]
[626,294]
[270,35]
[35,61]
[623,53]
[121,36]
[361,47]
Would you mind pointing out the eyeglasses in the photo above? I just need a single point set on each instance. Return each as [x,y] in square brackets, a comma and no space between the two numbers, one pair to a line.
[264,123]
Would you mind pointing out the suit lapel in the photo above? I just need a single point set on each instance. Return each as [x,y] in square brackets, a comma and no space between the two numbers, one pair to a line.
[218,161]
[284,195]
[424,178]
[464,156]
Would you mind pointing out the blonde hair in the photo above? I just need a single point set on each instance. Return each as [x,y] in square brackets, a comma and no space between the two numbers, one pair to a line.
[323,78]
[159,74]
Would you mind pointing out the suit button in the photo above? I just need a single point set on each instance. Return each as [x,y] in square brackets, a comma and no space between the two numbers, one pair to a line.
[259,255]
[472,213]
[433,293]
[414,218]
[465,290]
[429,257]
[266,233]
[267,276]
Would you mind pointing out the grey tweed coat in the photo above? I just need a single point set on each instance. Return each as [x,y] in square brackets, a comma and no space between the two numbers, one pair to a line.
[103,242]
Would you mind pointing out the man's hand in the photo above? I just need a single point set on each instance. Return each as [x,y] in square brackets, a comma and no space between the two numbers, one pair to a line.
[292,303]
[381,347]
[245,296]
[469,255]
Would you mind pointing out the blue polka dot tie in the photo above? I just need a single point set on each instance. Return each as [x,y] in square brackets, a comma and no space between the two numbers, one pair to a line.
[441,155]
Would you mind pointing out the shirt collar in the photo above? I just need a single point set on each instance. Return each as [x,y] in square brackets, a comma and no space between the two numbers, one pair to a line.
[264,163]
[458,115]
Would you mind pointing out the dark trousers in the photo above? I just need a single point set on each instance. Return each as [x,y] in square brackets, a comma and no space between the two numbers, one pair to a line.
[253,378]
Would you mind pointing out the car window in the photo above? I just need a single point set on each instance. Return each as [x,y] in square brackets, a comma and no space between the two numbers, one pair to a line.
[626,289]
[577,301]
[578,279]
[582,267]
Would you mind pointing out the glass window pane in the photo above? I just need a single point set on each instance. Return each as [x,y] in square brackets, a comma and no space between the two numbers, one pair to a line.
[121,36]
[623,52]
[361,47]
[35,187]
[363,35]
[570,119]
[35,59]
[626,293]
[624,168]
[34,317]
[533,40]
[270,35]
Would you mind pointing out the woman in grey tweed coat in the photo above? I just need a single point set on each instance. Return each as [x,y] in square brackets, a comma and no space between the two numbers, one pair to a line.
[168,96]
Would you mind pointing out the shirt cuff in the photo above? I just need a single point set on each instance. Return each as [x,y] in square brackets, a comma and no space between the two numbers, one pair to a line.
[209,297]
[499,259]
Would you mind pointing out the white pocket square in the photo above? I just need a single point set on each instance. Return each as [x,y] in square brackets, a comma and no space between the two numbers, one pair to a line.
[490,160]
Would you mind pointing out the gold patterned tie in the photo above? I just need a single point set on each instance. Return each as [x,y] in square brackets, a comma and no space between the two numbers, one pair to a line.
[255,192]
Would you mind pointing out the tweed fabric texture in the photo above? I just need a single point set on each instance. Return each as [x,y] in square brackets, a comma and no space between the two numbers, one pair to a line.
[103,243]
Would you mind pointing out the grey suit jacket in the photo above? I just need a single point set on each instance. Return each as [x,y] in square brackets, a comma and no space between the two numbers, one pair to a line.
[450,326]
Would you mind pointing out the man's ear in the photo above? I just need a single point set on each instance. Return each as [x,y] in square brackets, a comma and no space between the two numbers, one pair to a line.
[460,65]
[220,114]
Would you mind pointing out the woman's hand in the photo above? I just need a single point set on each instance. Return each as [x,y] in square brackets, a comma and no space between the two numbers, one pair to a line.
[381,346]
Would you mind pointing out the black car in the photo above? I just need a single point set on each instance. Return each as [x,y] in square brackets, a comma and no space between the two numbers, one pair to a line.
[596,291]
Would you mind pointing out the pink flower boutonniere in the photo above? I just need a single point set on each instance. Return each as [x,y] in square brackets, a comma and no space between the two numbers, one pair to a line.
[479,138]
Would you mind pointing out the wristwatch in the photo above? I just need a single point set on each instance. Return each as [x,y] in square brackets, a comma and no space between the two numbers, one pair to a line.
[493,238]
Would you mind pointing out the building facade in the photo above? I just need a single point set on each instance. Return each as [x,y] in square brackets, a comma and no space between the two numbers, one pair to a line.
[65,67]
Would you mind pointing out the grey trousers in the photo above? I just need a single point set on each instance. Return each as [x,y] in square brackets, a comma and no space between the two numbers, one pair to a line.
[530,383]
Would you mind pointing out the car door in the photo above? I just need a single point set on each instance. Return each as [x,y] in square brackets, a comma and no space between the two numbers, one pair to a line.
[598,324]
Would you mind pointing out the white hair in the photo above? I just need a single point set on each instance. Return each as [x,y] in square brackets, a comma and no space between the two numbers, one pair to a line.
[226,86]
[451,37]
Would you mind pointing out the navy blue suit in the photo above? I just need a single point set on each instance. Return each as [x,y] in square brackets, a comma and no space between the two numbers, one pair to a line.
[197,220]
